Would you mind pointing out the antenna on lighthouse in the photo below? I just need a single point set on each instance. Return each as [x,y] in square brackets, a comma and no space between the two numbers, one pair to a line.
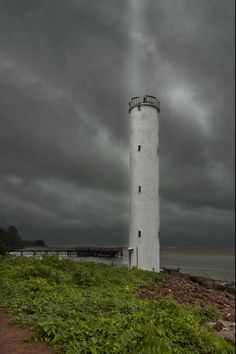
[144,232]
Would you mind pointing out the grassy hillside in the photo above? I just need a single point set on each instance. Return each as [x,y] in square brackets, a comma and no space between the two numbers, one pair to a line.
[92,308]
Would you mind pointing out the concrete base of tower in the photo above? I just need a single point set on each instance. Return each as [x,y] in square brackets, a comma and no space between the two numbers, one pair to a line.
[137,260]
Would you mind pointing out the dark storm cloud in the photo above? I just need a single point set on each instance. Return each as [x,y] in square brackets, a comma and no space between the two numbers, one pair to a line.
[67,70]
[55,141]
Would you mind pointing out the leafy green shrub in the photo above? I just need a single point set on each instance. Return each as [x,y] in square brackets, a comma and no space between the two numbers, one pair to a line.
[206,314]
[83,277]
[61,264]
[91,308]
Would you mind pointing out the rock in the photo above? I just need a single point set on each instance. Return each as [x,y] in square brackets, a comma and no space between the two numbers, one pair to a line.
[207,282]
[218,326]
[228,287]
[171,270]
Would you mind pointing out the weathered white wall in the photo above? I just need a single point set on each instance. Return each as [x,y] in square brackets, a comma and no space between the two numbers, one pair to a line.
[144,172]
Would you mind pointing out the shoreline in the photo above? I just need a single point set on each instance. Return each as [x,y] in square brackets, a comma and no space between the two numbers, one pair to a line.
[187,290]
[209,283]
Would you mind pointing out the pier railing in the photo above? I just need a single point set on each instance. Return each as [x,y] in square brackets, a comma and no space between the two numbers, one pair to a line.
[80,251]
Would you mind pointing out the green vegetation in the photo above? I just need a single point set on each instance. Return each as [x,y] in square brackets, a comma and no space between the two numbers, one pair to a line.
[92,308]
[10,238]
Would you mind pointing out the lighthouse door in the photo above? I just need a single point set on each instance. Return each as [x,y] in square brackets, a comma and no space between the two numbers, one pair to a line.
[130,256]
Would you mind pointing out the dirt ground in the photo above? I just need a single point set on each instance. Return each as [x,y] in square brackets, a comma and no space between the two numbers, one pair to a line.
[12,339]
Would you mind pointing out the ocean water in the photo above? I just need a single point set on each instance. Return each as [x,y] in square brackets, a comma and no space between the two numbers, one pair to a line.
[217,264]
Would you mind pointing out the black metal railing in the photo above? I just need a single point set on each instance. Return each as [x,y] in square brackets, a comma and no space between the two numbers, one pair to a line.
[146,100]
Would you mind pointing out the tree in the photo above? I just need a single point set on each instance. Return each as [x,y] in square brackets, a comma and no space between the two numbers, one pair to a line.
[12,229]
[39,243]
[33,243]
[10,237]
[2,248]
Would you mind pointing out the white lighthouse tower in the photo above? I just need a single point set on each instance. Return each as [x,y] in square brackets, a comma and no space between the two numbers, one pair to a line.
[144,233]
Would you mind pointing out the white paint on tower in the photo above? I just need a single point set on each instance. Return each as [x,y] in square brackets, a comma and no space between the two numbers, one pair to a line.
[144,233]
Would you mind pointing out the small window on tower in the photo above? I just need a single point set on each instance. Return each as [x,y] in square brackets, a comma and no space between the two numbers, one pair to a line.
[139,148]
[139,189]
[159,234]
[139,233]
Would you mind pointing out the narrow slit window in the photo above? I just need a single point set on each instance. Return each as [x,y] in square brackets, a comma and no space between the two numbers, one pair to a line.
[159,234]
[139,234]
[139,189]
[139,147]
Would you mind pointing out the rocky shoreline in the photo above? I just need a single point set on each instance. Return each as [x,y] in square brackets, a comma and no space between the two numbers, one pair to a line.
[187,289]
[206,282]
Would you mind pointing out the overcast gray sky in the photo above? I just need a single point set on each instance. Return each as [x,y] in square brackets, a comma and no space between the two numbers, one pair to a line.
[67,72]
